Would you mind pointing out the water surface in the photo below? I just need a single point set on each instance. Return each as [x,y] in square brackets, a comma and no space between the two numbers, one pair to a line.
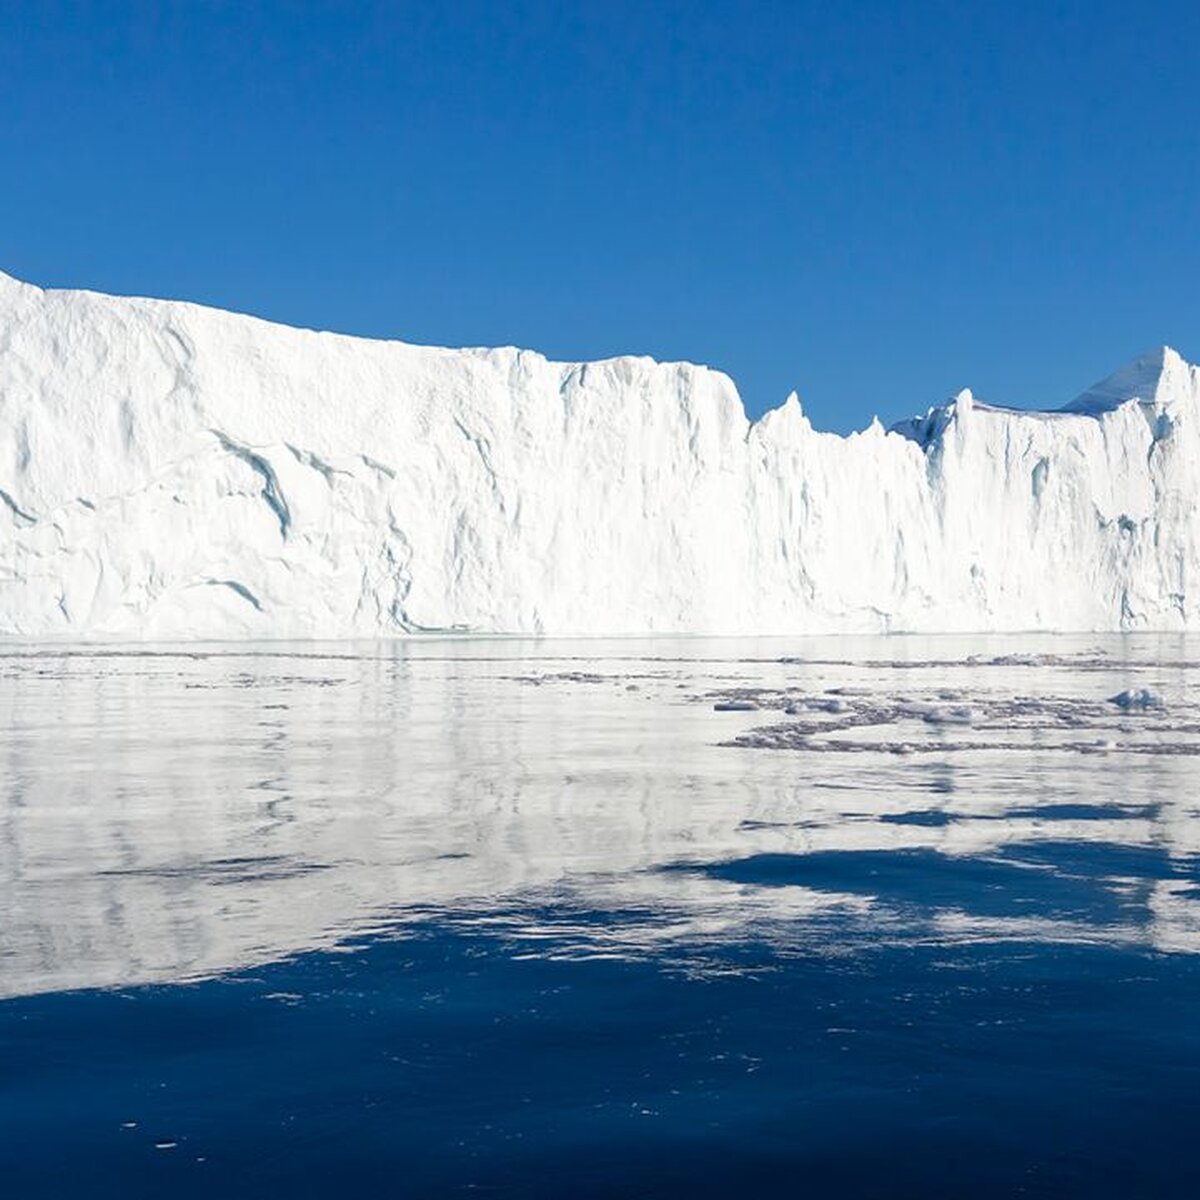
[877,917]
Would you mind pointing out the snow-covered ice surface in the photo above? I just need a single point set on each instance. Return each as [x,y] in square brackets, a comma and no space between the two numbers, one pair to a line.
[169,471]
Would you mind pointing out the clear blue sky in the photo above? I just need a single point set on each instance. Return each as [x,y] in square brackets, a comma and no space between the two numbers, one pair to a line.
[873,203]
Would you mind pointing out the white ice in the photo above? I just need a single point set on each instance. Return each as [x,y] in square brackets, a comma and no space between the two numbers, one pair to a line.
[168,470]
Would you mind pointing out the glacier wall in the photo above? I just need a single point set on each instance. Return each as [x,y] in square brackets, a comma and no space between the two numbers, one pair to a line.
[172,471]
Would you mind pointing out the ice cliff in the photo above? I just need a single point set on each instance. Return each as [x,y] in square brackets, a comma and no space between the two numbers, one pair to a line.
[172,471]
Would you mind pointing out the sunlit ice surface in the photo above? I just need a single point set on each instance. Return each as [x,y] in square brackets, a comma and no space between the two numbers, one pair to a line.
[889,916]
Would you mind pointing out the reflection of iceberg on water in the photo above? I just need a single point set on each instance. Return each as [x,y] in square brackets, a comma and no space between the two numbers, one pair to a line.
[169,816]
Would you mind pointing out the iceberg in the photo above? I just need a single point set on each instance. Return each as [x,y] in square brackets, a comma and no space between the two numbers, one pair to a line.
[169,471]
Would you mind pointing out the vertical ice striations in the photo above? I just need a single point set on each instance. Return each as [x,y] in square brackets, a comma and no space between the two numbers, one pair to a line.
[168,470]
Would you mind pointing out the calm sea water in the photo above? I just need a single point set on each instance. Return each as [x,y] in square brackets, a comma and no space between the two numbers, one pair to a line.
[895,918]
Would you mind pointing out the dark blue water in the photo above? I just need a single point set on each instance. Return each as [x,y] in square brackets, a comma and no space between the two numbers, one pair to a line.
[744,987]
[441,1064]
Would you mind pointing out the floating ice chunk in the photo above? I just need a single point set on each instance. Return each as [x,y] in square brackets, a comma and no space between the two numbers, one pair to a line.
[937,714]
[829,704]
[735,706]
[950,714]
[1137,700]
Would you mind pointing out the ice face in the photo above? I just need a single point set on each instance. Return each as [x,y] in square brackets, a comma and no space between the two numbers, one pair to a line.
[173,471]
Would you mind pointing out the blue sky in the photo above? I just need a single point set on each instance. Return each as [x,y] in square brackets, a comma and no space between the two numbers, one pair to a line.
[875,204]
